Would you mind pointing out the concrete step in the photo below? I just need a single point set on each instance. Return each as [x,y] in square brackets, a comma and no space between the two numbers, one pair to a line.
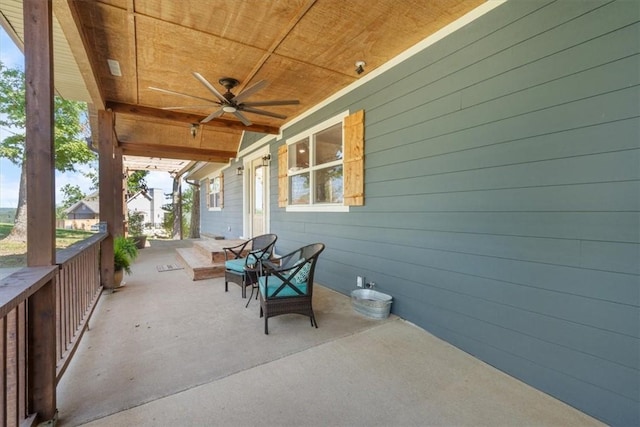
[198,265]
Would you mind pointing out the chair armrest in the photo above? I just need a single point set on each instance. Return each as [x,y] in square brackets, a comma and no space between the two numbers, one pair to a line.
[237,253]
[266,267]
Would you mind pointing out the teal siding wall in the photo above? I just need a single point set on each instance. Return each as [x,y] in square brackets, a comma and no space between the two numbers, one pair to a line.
[228,221]
[502,176]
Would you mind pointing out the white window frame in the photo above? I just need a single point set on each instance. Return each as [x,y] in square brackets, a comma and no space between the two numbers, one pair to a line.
[309,133]
[210,180]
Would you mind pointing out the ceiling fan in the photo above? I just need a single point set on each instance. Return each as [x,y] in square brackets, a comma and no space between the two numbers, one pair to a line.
[230,103]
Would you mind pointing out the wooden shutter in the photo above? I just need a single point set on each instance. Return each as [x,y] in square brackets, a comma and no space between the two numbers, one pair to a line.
[283,179]
[354,159]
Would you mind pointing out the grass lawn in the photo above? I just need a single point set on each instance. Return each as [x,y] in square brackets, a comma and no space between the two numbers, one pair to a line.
[15,254]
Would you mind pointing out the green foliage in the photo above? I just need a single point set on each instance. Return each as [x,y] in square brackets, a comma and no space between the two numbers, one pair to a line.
[136,181]
[124,252]
[72,195]
[14,254]
[70,124]
[187,202]
[135,223]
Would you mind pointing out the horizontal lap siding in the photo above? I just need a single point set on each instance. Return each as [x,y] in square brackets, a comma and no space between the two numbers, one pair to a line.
[228,221]
[502,196]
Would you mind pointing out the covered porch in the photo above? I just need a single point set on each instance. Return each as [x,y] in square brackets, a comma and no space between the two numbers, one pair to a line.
[166,350]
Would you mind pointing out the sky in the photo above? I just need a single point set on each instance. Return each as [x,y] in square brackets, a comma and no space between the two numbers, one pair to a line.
[11,56]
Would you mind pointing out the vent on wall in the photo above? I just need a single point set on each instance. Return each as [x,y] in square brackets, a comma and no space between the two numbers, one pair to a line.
[114,67]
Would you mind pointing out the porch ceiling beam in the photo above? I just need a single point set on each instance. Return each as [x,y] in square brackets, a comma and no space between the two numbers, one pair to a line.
[176,152]
[157,113]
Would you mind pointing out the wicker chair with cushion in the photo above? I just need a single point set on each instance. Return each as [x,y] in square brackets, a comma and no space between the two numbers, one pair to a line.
[287,286]
[239,261]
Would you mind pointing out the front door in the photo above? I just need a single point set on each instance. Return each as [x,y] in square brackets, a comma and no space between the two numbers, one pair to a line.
[258,198]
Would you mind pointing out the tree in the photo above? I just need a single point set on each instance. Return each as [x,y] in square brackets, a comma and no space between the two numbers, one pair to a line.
[136,181]
[171,225]
[72,195]
[70,128]
[194,220]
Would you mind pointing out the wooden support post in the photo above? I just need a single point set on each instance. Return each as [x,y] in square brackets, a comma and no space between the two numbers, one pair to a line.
[120,205]
[107,194]
[38,52]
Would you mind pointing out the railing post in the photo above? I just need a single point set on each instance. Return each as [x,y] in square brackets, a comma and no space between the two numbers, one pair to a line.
[41,363]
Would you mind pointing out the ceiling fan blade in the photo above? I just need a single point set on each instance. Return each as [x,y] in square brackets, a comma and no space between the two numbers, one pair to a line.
[250,91]
[172,92]
[242,118]
[212,116]
[265,103]
[210,87]
[263,112]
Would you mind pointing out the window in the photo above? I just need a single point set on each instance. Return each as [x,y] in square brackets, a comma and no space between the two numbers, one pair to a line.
[323,169]
[214,192]
[315,168]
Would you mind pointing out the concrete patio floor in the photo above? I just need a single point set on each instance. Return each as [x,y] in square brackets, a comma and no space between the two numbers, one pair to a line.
[167,351]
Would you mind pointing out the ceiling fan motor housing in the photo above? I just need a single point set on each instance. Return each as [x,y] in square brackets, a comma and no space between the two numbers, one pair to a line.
[228,82]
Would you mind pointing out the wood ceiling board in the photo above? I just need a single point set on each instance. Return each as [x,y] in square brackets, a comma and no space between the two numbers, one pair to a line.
[168,54]
[162,136]
[107,31]
[292,79]
[179,135]
[180,153]
[336,33]
[249,22]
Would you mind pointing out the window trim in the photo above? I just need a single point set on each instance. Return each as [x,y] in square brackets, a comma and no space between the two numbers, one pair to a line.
[318,207]
[221,192]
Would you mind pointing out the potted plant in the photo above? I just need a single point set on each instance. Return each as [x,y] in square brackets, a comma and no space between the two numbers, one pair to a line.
[124,252]
[136,229]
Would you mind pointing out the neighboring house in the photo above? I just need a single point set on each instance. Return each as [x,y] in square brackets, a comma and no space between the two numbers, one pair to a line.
[149,204]
[84,209]
[494,195]
[85,213]
[81,215]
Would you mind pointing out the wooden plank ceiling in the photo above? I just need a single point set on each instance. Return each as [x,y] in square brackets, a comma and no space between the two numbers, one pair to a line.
[305,49]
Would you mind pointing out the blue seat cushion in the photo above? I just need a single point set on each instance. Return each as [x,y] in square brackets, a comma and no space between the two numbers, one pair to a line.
[275,282]
[236,265]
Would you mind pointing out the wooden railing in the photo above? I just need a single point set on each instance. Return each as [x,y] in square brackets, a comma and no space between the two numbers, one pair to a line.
[77,280]
[15,292]
[77,291]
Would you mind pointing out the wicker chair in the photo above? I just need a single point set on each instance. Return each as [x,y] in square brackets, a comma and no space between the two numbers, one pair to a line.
[287,287]
[238,265]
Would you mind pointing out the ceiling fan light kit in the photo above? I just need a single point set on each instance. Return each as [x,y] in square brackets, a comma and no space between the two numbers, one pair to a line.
[231,103]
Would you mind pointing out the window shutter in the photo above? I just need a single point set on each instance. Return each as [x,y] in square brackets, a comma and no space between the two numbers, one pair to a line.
[283,179]
[208,187]
[354,159]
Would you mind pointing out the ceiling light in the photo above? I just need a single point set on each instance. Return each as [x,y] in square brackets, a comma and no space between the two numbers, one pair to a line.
[360,67]
[229,109]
